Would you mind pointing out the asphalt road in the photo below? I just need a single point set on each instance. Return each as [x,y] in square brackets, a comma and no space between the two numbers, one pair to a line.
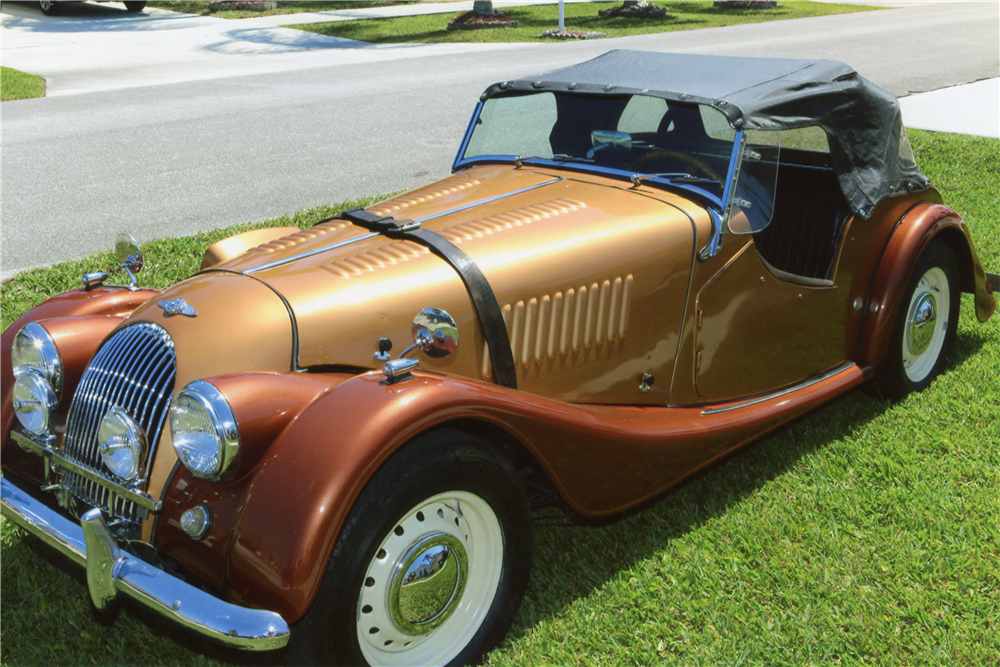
[172,159]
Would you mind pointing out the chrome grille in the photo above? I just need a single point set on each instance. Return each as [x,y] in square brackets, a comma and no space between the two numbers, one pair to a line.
[135,371]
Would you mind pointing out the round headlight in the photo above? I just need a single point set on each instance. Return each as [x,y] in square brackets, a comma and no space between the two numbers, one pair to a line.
[205,433]
[34,349]
[34,402]
[122,445]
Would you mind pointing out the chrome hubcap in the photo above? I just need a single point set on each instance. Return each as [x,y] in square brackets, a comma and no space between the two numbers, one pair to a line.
[923,316]
[926,324]
[428,584]
[431,582]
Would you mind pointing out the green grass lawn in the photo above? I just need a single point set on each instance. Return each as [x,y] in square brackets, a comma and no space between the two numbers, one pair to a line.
[18,85]
[580,16]
[864,533]
[290,7]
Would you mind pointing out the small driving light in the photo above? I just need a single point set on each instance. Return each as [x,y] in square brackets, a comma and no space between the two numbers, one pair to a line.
[196,521]
[34,402]
[204,429]
[122,445]
[34,349]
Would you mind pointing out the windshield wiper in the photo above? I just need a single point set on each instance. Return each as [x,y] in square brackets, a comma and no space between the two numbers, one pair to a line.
[675,177]
[558,157]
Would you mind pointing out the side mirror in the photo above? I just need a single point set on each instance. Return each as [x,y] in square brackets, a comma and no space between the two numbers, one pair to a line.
[129,257]
[435,332]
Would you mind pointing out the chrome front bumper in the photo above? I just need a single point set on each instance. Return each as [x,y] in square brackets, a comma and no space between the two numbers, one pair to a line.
[110,570]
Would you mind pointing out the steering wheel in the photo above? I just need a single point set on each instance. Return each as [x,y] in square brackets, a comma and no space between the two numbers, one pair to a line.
[681,156]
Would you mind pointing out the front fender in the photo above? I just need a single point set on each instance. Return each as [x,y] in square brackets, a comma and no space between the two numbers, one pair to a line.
[106,305]
[602,459]
[908,241]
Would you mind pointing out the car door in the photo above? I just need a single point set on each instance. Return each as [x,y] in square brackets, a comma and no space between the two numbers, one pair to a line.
[774,314]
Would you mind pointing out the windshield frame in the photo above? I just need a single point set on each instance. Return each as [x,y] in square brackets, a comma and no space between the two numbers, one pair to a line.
[716,205]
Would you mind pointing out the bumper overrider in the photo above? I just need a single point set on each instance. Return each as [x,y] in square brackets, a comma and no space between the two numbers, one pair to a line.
[110,571]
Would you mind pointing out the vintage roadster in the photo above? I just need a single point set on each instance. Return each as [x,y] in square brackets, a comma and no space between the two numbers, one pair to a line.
[337,435]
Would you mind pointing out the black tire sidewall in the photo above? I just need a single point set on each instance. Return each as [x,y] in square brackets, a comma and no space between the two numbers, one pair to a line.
[428,466]
[892,380]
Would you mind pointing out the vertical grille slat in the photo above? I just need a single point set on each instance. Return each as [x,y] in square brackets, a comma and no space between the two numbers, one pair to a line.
[92,401]
[133,387]
[134,370]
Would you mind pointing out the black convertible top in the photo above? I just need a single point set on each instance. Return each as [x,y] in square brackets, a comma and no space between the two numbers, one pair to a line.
[868,146]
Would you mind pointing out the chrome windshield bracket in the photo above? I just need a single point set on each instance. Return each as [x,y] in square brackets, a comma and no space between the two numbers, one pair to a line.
[719,223]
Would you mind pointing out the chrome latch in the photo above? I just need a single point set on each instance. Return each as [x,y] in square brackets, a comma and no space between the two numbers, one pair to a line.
[399,369]
[384,345]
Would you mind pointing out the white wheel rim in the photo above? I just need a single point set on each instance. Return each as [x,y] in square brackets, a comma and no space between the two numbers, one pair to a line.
[457,515]
[926,324]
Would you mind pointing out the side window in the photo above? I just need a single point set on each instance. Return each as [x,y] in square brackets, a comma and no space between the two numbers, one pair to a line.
[517,125]
[716,124]
[758,183]
[642,115]
[810,138]
[793,202]
[753,200]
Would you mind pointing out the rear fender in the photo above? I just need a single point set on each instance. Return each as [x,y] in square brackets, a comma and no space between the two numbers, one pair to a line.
[921,225]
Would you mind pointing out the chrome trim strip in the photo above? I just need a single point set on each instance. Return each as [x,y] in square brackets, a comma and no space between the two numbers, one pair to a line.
[847,365]
[110,571]
[490,200]
[365,237]
[308,253]
[57,459]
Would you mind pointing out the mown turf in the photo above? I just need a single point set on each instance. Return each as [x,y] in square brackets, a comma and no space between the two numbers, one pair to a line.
[18,85]
[579,16]
[866,533]
[290,7]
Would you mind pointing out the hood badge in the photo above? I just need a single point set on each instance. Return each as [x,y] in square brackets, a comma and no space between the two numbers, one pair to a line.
[177,307]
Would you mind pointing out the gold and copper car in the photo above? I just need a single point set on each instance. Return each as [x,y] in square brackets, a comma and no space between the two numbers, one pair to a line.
[336,436]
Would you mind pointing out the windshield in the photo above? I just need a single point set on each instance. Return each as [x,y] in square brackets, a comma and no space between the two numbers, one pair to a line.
[644,136]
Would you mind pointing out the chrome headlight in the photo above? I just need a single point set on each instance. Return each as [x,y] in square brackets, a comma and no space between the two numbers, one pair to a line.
[34,402]
[34,349]
[205,433]
[122,445]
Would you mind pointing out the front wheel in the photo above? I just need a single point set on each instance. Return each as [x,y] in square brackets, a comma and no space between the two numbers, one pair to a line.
[430,566]
[135,6]
[925,327]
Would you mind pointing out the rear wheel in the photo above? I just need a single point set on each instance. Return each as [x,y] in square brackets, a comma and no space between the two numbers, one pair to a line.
[430,566]
[135,6]
[925,327]
[50,8]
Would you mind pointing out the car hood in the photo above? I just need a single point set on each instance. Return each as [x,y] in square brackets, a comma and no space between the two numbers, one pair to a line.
[530,232]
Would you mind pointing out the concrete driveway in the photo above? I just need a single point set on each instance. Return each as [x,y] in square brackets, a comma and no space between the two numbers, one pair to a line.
[164,125]
[98,47]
